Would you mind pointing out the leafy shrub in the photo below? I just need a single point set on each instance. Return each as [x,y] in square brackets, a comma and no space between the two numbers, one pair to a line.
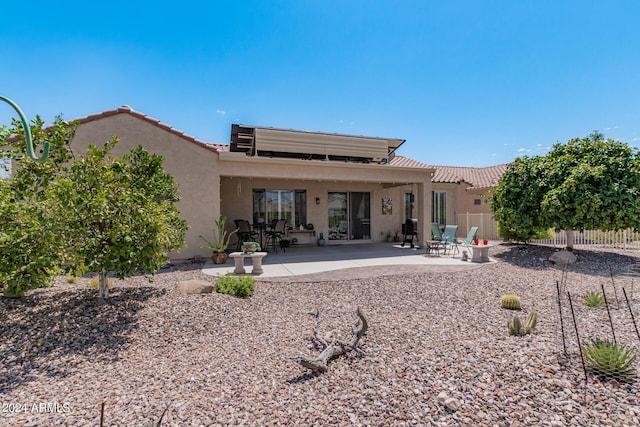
[239,286]
[594,299]
[520,233]
[610,360]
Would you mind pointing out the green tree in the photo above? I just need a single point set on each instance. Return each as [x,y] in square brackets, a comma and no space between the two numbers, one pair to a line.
[91,212]
[30,244]
[119,214]
[587,183]
[516,200]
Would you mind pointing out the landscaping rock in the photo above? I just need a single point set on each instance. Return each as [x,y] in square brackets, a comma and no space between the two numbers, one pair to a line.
[227,361]
[451,403]
[563,258]
[192,287]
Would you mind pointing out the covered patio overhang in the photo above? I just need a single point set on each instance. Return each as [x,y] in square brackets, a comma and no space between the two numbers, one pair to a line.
[238,168]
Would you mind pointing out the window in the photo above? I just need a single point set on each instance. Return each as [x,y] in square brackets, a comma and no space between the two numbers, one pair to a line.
[259,206]
[280,204]
[477,202]
[439,207]
[408,207]
[301,208]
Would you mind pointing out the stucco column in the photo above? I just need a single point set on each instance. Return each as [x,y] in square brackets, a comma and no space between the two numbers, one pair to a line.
[423,205]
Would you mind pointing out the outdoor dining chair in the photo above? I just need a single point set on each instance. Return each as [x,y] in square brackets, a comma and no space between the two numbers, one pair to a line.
[276,233]
[245,233]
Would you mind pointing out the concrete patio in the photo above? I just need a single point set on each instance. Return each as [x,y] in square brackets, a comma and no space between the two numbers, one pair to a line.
[347,261]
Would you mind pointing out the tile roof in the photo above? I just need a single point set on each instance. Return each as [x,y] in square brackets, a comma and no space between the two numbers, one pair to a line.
[407,162]
[125,109]
[478,178]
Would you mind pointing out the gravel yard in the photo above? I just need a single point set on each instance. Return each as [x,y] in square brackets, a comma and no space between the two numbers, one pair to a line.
[213,359]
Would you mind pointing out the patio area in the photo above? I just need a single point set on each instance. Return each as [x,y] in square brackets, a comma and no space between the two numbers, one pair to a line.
[334,262]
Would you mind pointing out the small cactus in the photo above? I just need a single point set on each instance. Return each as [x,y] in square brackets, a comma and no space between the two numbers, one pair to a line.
[511,302]
[517,328]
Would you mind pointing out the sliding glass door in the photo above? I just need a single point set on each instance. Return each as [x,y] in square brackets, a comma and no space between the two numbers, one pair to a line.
[349,215]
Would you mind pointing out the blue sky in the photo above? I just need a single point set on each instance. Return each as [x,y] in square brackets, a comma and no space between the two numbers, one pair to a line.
[467,83]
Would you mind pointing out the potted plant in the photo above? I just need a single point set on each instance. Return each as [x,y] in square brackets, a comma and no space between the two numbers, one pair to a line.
[220,242]
[396,235]
[388,238]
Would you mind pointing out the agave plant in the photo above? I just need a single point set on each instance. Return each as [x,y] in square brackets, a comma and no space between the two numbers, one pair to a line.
[610,360]
[594,299]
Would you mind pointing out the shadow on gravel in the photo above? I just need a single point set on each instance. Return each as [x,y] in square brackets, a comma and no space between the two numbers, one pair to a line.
[303,378]
[592,262]
[40,329]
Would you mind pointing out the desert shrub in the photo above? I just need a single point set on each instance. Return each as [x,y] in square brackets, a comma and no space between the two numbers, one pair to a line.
[239,286]
[71,279]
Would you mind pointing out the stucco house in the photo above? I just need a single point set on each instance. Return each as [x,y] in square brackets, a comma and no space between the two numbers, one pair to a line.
[350,189]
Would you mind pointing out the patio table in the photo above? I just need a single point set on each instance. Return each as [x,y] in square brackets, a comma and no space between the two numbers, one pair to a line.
[480,253]
[433,245]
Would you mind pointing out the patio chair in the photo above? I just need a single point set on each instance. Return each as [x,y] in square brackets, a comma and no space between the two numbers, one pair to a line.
[410,231]
[434,245]
[276,233]
[467,242]
[448,237]
[435,231]
[245,233]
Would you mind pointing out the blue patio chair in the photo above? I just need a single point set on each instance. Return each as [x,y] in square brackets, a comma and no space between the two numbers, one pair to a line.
[467,242]
[448,237]
[435,231]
